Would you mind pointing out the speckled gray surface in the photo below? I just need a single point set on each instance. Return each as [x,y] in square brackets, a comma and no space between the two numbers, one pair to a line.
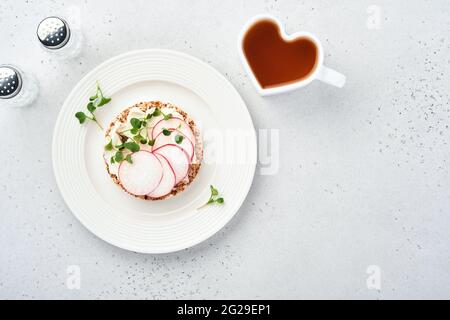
[364,171]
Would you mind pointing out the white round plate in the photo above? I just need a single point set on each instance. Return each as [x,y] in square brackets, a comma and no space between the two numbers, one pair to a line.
[229,148]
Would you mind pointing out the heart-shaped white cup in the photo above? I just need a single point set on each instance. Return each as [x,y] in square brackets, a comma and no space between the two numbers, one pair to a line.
[320,72]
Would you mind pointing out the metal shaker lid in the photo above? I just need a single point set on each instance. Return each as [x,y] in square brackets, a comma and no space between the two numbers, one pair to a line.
[10,82]
[53,32]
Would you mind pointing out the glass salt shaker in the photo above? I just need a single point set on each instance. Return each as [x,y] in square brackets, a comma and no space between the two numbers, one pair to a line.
[17,89]
[58,38]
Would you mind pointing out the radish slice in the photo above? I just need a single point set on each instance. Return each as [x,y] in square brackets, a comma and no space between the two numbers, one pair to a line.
[185,144]
[178,160]
[168,180]
[146,147]
[173,123]
[153,121]
[143,175]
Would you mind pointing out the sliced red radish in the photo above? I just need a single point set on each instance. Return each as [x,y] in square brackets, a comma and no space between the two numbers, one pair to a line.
[153,121]
[168,180]
[143,175]
[173,123]
[185,143]
[178,160]
[146,147]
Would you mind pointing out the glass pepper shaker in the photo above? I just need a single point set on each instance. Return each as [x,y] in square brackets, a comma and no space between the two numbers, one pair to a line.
[58,38]
[17,89]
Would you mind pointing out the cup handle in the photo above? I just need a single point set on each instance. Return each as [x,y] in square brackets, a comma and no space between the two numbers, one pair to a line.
[332,77]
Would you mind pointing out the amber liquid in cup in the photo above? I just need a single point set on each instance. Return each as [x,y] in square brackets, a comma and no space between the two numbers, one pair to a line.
[274,61]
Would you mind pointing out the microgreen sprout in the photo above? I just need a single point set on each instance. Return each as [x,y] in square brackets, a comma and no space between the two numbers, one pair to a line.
[119,155]
[95,101]
[179,139]
[214,198]
[128,159]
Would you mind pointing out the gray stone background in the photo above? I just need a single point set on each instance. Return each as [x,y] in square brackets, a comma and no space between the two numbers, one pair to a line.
[363,177]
